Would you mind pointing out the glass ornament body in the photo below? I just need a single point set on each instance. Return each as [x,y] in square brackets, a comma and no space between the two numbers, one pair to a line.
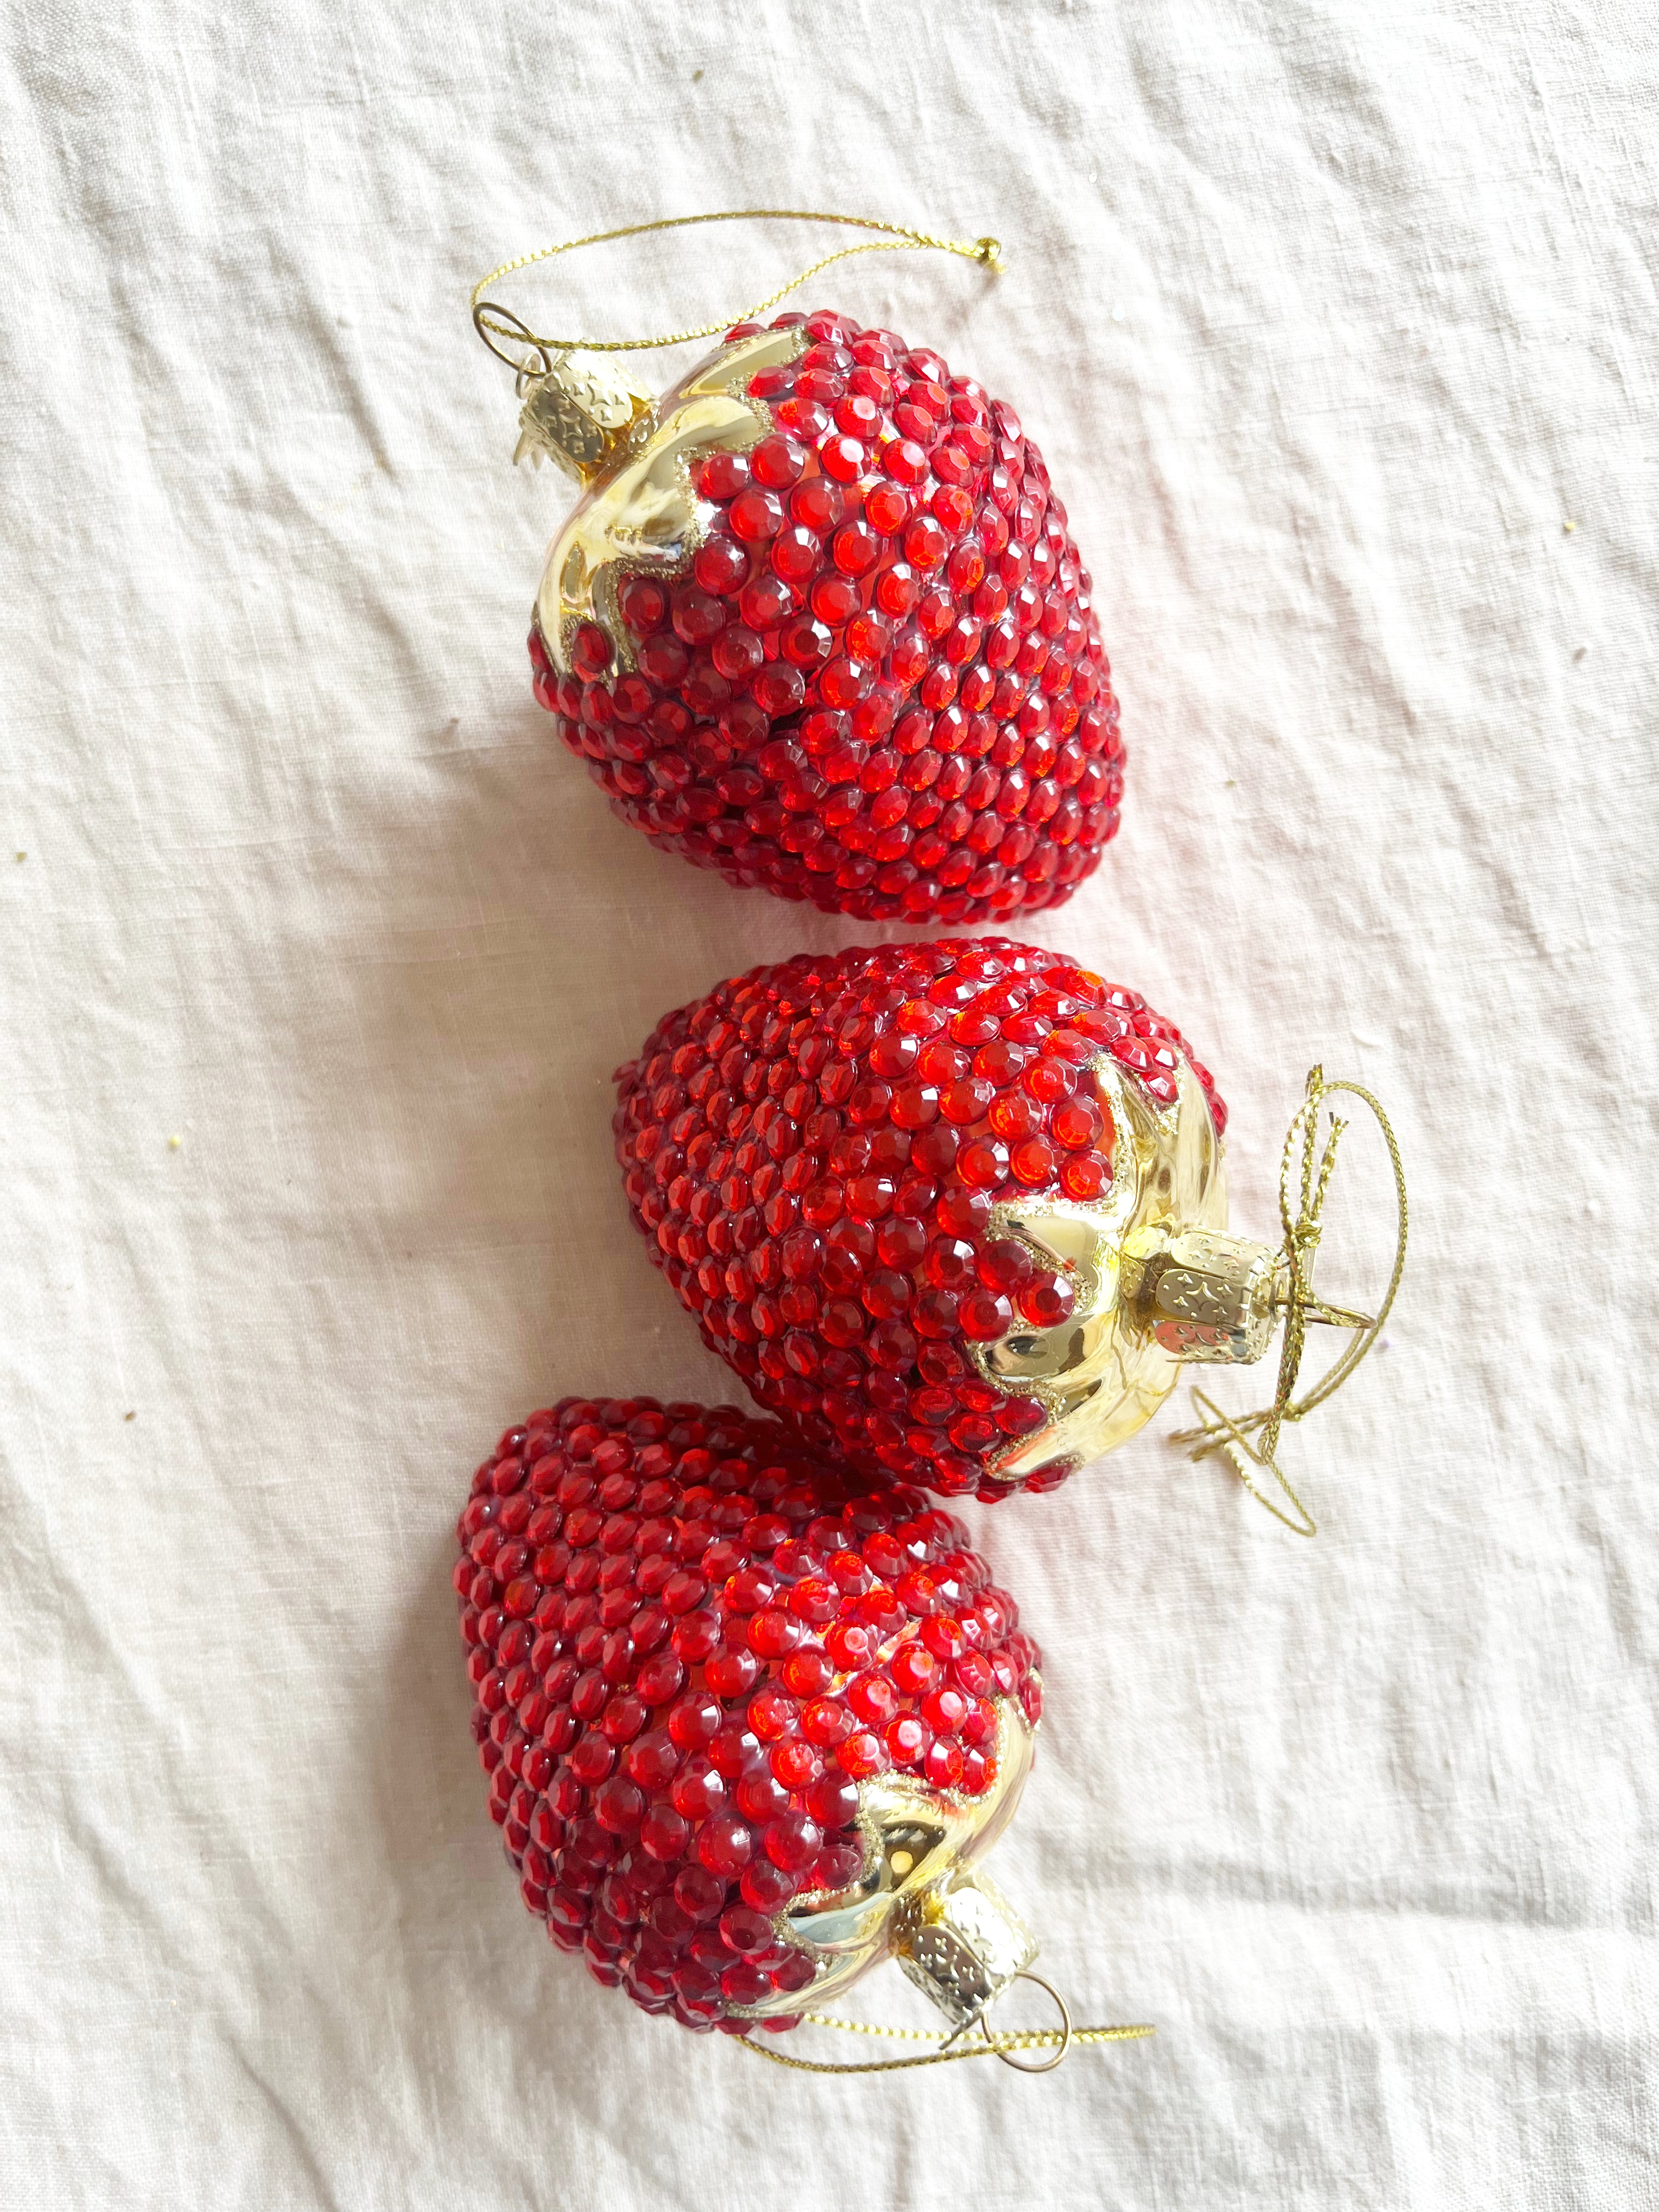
[817,621]
[751,1722]
[958,1209]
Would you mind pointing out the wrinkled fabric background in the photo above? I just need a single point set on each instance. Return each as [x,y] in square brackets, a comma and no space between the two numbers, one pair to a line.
[1336,325]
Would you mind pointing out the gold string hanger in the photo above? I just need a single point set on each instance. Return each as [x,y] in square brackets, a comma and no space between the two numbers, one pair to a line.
[975,2041]
[494,322]
[1251,1440]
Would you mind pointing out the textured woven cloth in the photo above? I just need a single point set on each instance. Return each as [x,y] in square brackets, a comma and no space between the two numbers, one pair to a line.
[1336,324]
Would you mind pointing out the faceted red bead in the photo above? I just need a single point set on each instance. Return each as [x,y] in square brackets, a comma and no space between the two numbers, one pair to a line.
[792,1841]
[1076,1124]
[945,1764]
[795,1762]
[862,1755]
[906,1740]
[653,1760]
[755,515]
[777,461]
[1046,1303]
[842,457]
[590,652]
[618,1805]
[726,1845]
[592,1759]
[699,1892]
[698,1789]
[1084,1176]
[694,1721]
[722,476]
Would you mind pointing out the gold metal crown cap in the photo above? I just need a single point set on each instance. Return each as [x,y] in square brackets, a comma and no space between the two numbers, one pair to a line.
[578,415]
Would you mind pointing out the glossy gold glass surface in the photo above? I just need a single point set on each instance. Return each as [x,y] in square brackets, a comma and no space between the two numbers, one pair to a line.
[640,514]
[921,1846]
[1104,1373]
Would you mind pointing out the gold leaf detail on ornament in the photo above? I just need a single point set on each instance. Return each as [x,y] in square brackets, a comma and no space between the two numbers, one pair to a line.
[640,514]
[1102,1373]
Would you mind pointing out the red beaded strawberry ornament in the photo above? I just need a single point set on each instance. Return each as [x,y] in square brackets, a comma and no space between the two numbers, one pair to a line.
[750,1722]
[818,622]
[958,1210]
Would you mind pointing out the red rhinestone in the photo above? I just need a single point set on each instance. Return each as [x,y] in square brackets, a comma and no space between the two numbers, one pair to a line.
[983,1164]
[722,475]
[755,515]
[590,653]
[1046,1303]
[944,1711]
[793,1842]
[644,604]
[842,457]
[906,1740]
[862,1755]
[725,1844]
[698,1789]
[826,1722]
[777,461]
[905,460]
[795,1762]
[746,1931]
[833,1800]
[871,1697]
[1077,1124]
[699,1892]
[887,508]
[653,1760]
[1084,1176]
[945,1764]
[797,554]
[817,504]
[618,1805]
[694,1721]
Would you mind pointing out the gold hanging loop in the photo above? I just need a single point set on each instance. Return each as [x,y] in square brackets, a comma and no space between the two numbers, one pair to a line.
[535,361]
[492,322]
[1251,1440]
[1055,2040]
[1004,2049]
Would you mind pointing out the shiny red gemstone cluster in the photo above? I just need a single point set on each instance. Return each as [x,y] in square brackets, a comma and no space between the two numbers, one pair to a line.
[880,687]
[690,1641]
[815,1150]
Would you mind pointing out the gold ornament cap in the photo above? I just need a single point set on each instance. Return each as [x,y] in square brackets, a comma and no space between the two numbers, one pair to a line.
[578,410]
[961,1943]
[577,414]
[1209,1298]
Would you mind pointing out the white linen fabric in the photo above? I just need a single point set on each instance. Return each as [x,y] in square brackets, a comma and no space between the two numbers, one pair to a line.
[1336,324]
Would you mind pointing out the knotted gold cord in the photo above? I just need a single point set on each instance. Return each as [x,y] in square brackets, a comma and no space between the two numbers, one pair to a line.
[1057,2039]
[1223,1432]
[492,321]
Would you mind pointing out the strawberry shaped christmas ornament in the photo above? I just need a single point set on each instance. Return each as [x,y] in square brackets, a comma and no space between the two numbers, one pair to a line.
[958,1210]
[750,1722]
[816,622]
